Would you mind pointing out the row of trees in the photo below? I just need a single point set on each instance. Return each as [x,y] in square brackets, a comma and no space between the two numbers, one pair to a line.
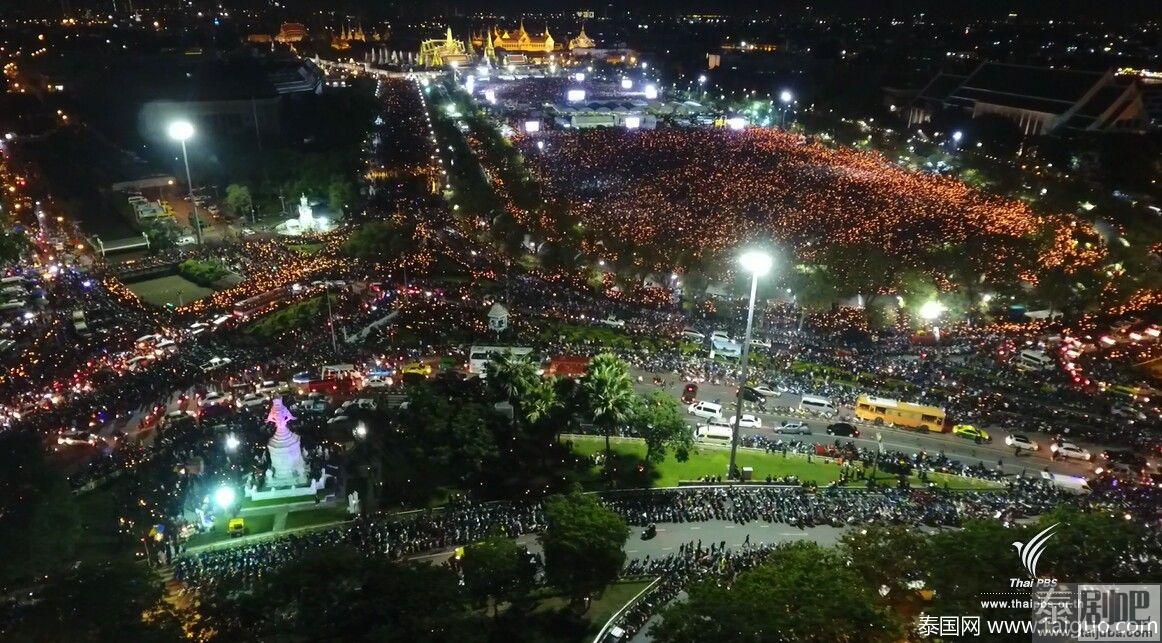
[340,593]
[500,439]
[606,396]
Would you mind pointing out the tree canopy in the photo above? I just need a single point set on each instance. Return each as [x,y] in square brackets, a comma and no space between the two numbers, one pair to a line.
[803,592]
[582,544]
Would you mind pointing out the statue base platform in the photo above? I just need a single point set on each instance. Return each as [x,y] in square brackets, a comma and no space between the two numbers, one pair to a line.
[309,488]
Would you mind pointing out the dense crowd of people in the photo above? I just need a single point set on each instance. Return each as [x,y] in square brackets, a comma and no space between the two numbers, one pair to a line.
[655,190]
[462,523]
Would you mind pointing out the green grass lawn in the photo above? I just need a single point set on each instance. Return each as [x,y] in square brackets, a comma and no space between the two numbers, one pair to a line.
[306,248]
[601,608]
[274,502]
[173,289]
[254,525]
[311,517]
[712,460]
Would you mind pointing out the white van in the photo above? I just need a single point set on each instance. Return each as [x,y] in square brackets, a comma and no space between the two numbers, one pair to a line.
[818,405]
[726,347]
[1034,360]
[705,410]
[714,431]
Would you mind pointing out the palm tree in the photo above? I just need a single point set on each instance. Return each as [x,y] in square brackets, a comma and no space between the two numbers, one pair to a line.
[539,400]
[538,403]
[509,376]
[609,395]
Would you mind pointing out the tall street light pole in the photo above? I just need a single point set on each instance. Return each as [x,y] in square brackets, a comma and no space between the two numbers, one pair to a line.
[183,131]
[757,263]
[785,97]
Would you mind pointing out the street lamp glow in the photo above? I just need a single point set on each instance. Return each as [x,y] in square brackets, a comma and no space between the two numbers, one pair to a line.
[224,496]
[786,96]
[932,309]
[957,135]
[702,79]
[181,130]
[756,262]
[232,442]
[360,430]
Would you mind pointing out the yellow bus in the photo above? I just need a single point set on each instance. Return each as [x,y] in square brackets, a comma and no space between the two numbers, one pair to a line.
[881,410]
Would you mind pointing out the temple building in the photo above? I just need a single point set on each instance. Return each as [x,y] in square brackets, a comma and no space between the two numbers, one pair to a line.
[342,41]
[291,32]
[441,52]
[520,41]
[582,41]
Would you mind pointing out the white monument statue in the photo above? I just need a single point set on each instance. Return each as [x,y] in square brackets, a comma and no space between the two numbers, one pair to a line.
[287,468]
[306,214]
[306,222]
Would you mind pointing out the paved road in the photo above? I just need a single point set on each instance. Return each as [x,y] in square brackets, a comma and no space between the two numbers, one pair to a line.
[896,439]
[671,535]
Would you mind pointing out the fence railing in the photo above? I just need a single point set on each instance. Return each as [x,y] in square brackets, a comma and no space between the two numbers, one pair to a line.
[612,622]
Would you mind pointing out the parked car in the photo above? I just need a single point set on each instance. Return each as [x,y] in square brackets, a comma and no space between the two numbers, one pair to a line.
[1018,441]
[705,410]
[613,322]
[747,421]
[214,399]
[751,395]
[693,335]
[216,363]
[76,437]
[843,429]
[690,393]
[971,432]
[793,428]
[1069,450]
[765,391]
[270,387]
[253,400]
[416,368]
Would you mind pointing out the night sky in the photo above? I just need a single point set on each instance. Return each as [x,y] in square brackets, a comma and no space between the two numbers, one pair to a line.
[1121,11]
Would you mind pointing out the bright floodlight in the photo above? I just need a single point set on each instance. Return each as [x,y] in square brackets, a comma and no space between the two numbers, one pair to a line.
[579,77]
[232,442]
[756,262]
[786,96]
[736,123]
[702,79]
[181,130]
[633,122]
[532,126]
[931,309]
[957,135]
[651,92]
[224,496]
[360,430]
[626,83]
[575,95]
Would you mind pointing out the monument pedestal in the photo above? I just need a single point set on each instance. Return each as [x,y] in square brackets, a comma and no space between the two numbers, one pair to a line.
[287,476]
